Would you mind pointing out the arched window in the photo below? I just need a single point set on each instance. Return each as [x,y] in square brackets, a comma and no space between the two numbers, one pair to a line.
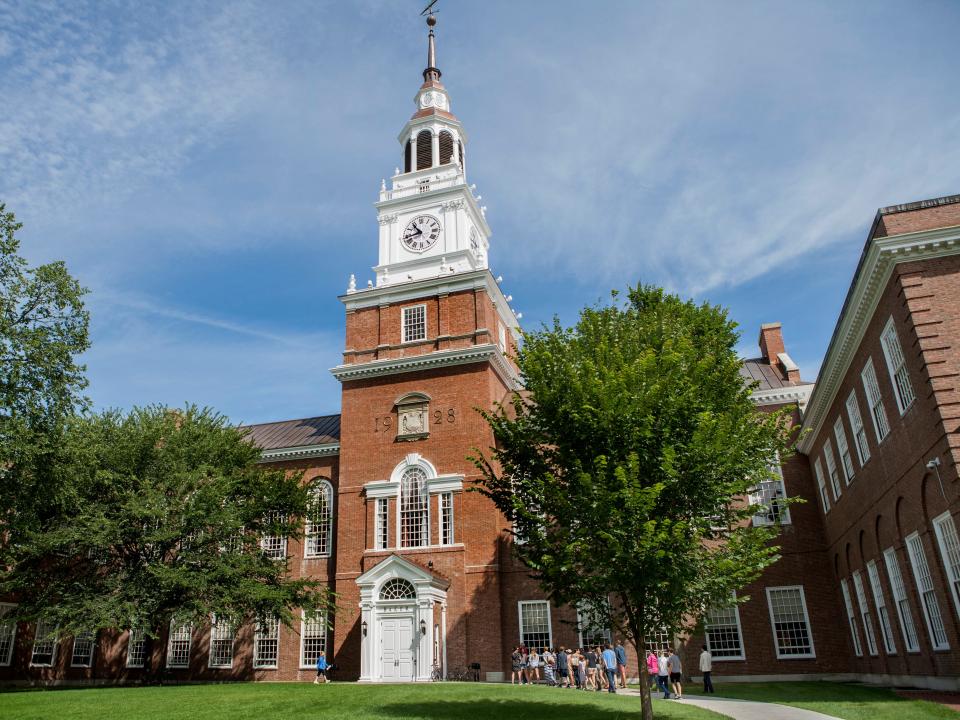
[446,147]
[424,149]
[398,589]
[406,158]
[319,526]
[414,508]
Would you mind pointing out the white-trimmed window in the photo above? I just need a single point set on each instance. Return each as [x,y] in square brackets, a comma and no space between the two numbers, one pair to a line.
[874,400]
[178,644]
[883,615]
[589,631]
[8,634]
[790,622]
[313,638]
[843,450]
[856,425]
[897,366]
[318,533]
[222,634]
[899,592]
[136,647]
[865,617]
[274,546]
[769,494]
[857,649]
[266,644]
[414,508]
[414,323]
[946,531]
[446,518]
[535,623]
[83,644]
[381,528]
[724,634]
[45,643]
[928,596]
[822,485]
[832,471]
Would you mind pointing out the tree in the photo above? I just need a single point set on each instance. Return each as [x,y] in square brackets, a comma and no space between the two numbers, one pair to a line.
[160,515]
[625,463]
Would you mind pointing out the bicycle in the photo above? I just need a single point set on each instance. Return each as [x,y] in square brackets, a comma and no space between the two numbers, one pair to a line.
[436,674]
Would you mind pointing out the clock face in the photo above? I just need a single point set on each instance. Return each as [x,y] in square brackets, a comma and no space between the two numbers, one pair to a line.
[421,233]
[432,98]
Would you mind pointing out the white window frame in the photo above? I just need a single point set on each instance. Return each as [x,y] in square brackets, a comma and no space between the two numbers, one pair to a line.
[851,621]
[761,495]
[322,620]
[736,614]
[425,492]
[898,590]
[856,426]
[832,471]
[883,615]
[821,485]
[445,512]
[8,634]
[806,618]
[865,617]
[843,450]
[136,636]
[405,322]
[949,543]
[871,389]
[520,606]
[897,367]
[260,637]
[176,626]
[929,604]
[502,336]
[318,532]
[216,624]
[52,637]
[88,636]
[274,546]
[381,523]
[583,622]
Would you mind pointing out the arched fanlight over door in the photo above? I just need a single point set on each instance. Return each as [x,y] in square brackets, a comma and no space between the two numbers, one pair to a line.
[398,589]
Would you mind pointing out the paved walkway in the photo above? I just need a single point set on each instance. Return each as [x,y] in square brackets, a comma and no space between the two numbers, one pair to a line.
[744,709]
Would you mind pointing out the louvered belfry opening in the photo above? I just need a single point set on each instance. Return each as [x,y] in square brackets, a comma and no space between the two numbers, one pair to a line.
[407,160]
[460,148]
[446,147]
[424,149]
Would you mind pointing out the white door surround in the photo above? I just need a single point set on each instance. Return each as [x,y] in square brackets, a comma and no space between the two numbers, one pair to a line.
[398,599]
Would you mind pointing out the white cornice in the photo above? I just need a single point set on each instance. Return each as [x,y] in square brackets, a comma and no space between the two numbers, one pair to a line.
[301,452]
[435,195]
[799,394]
[879,259]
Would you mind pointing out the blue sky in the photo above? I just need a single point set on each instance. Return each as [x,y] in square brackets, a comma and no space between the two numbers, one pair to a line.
[208,169]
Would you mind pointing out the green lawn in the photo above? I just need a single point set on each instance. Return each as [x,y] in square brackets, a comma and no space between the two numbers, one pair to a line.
[847,701]
[343,701]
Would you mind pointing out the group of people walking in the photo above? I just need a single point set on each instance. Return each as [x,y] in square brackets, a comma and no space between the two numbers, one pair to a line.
[601,667]
[666,672]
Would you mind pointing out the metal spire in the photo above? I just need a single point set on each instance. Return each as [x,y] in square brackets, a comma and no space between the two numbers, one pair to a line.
[431,73]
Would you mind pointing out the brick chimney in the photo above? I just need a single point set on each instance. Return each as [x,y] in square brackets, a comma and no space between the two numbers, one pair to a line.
[774,352]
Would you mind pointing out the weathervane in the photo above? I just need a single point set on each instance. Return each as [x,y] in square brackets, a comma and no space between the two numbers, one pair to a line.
[428,10]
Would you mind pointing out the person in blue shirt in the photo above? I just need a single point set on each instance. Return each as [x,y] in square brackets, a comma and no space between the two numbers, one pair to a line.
[621,652]
[321,669]
[610,666]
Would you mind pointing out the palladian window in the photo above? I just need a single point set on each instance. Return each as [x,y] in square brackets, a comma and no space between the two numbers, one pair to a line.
[414,509]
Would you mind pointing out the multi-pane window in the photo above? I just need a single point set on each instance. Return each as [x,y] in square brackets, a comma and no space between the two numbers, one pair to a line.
[318,532]
[865,615]
[535,623]
[178,644]
[222,633]
[398,589]
[274,546]
[768,494]
[931,608]
[313,638]
[899,592]
[266,643]
[791,624]
[874,401]
[446,518]
[946,531]
[850,617]
[414,509]
[856,425]
[44,643]
[381,529]
[886,628]
[591,632]
[660,640]
[818,471]
[414,323]
[899,376]
[844,451]
[832,471]
[8,633]
[136,647]
[83,643]
[724,637]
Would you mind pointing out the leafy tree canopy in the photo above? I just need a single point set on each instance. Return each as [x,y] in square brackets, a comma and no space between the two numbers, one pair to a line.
[621,463]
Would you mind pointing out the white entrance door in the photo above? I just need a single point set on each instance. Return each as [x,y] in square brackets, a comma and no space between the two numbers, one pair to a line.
[396,656]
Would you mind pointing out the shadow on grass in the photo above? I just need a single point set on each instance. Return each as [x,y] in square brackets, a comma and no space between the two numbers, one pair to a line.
[533,709]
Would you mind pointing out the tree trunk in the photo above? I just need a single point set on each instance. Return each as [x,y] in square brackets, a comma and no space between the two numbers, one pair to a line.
[646,702]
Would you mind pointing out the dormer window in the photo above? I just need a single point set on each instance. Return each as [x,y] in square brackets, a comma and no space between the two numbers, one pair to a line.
[414,323]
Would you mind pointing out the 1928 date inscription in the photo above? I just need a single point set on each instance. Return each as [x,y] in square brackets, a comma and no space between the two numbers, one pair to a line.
[438,417]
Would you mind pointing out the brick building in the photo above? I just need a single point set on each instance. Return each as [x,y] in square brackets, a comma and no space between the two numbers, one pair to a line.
[869,581]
